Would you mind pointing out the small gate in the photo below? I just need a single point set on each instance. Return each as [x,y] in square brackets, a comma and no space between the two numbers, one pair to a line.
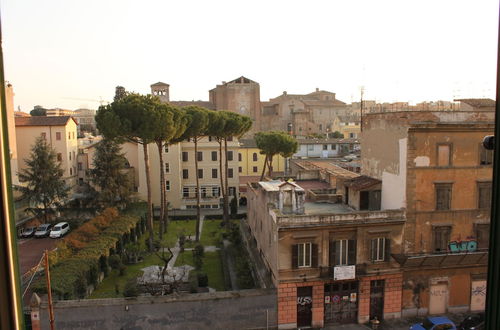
[377,299]
[341,302]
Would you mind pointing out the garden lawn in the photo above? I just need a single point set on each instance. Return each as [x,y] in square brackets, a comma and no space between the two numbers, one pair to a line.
[212,265]
[211,235]
[211,232]
[106,289]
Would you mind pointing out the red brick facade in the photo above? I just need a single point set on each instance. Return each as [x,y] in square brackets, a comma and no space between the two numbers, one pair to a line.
[392,296]
[287,303]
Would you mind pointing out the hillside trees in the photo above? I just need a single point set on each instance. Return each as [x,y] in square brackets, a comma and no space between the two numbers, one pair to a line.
[273,143]
[43,185]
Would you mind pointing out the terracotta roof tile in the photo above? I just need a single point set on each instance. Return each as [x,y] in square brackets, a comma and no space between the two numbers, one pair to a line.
[362,182]
[478,103]
[43,120]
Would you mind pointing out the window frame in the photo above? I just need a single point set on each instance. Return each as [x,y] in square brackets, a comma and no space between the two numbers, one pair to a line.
[450,153]
[304,252]
[185,173]
[447,229]
[443,186]
[481,185]
[489,155]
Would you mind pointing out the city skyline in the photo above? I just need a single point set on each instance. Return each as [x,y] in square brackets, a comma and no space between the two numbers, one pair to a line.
[60,54]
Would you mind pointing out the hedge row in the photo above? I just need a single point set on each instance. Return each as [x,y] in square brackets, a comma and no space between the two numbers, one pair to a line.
[70,277]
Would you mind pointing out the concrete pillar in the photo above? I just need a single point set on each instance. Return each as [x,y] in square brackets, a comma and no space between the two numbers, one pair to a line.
[35,311]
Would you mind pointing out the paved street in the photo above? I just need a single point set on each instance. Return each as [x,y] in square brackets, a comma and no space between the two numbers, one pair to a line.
[30,250]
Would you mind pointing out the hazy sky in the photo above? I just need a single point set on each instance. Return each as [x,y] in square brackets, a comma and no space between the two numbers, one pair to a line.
[59,51]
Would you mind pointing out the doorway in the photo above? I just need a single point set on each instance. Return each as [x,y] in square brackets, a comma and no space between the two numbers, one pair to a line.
[341,303]
[438,297]
[304,306]
[377,299]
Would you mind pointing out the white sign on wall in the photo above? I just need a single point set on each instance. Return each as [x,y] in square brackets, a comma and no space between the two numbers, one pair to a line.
[344,272]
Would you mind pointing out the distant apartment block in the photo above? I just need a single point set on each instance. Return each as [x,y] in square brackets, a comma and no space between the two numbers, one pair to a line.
[60,132]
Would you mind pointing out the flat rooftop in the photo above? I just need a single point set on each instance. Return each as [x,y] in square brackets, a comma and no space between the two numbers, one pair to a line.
[326,208]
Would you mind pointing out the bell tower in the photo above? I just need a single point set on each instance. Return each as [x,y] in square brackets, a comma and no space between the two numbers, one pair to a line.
[161,90]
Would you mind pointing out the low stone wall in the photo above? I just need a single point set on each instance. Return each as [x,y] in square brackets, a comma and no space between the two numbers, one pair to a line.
[246,309]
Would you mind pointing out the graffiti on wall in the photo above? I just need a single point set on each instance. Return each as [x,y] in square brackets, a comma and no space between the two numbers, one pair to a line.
[479,290]
[469,245]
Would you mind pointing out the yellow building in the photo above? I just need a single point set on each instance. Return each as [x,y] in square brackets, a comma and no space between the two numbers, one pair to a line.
[349,126]
[180,175]
[251,161]
[60,134]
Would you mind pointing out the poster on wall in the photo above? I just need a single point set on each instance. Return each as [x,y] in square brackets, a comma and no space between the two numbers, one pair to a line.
[327,299]
[344,272]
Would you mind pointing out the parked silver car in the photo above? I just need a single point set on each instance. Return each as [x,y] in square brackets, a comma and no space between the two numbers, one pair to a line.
[59,230]
[43,230]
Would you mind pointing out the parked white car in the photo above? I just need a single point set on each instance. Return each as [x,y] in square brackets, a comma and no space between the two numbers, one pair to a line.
[59,230]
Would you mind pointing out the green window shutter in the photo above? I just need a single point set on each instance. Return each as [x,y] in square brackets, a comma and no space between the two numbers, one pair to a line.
[387,249]
[373,249]
[295,256]
[351,252]
[314,255]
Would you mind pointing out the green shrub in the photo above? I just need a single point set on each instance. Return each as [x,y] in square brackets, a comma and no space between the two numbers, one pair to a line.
[198,253]
[202,279]
[193,282]
[130,289]
[68,276]
[103,265]
[81,287]
[115,262]
[122,270]
[233,205]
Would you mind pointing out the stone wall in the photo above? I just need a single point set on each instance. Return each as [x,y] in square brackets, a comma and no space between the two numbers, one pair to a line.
[221,310]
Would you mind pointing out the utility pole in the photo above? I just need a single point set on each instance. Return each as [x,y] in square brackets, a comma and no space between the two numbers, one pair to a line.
[49,290]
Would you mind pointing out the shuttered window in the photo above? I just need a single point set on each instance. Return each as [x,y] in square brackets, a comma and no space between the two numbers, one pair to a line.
[380,249]
[443,196]
[485,156]
[304,255]
[342,252]
[484,195]
[441,238]
[482,235]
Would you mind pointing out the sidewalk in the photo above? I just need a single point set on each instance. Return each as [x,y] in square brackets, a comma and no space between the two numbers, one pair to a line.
[346,327]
